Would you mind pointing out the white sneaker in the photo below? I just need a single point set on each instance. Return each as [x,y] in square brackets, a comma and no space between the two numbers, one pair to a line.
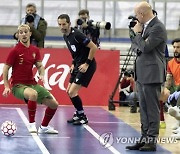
[32,127]
[47,130]
[177,136]
[176,131]
[177,125]
[175,112]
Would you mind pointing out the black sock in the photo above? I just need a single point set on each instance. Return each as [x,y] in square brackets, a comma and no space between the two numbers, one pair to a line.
[77,102]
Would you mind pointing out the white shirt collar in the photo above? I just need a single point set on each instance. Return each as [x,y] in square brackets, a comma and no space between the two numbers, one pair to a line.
[146,23]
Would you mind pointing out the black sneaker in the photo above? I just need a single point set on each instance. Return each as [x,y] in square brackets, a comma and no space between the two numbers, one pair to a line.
[82,120]
[73,119]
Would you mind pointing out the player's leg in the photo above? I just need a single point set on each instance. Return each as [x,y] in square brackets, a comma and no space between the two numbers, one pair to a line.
[71,80]
[79,116]
[162,119]
[175,112]
[163,98]
[133,99]
[78,80]
[30,96]
[46,98]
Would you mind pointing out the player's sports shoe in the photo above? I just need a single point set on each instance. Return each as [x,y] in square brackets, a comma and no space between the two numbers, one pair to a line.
[162,125]
[177,136]
[176,125]
[74,118]
[32,127]
[176,131]
[82,120]
[47,130]
[175,112]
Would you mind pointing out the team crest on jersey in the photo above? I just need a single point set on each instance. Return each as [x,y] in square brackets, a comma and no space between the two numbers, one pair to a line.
[34,55]
[73,47]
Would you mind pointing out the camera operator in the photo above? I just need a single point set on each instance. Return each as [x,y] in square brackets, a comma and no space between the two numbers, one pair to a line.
[127,92]
[148,40]
[84,25]
[37,24]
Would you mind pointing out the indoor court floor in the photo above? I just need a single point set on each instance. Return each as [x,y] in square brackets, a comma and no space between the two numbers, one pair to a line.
[106,133]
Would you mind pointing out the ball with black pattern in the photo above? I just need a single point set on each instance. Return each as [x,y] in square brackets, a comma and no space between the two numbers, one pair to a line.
[8,128]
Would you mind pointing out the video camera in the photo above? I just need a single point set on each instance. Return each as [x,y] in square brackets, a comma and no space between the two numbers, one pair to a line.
[133,21]
[128,73]
[91,23]
[29,18]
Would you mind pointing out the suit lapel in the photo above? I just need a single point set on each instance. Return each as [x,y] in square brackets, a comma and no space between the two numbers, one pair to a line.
[152,22]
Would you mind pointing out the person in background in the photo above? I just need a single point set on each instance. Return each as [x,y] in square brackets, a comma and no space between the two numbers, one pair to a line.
[84,25]
[21,59]
[149,38]
[37,24]
[83,65]
[172,83]
[163,106]
[127,92]
[174,111]
[172,80]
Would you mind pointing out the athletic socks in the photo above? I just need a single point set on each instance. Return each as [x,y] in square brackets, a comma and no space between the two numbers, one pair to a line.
[161,111]
[32,105]
[49,113]
[77,102]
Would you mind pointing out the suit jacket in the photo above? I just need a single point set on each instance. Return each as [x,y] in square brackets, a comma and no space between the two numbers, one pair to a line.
[150,64]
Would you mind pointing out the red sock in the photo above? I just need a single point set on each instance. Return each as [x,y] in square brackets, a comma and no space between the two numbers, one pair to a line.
[49,113]
[161,111]
[32,105]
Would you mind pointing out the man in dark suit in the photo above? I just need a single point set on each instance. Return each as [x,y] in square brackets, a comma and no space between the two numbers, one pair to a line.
[149,42]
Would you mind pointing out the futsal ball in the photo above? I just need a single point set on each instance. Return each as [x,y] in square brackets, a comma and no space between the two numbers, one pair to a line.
[8,128]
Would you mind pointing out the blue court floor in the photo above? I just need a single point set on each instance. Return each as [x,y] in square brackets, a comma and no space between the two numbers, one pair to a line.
[104,134]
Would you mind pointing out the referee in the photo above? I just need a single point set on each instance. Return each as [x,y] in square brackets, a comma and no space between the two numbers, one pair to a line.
[83,65]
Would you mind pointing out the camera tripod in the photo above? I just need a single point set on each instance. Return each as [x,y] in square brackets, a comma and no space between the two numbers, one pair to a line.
[111,105]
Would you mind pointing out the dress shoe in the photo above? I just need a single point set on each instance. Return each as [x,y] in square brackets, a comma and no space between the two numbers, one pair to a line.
[137,146]
[148,147]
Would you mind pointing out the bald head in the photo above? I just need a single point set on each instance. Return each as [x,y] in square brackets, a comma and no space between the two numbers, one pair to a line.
[143,11]
[144,7]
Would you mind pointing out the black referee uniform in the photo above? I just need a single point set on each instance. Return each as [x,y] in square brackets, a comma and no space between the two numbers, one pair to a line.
[76,42]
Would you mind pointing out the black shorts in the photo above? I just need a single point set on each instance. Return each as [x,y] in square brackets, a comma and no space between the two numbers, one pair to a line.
[83,78]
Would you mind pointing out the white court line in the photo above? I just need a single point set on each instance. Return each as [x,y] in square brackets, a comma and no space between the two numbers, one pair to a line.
[111,148]
[23,136]
[101,122]
[105,122]
[35,136]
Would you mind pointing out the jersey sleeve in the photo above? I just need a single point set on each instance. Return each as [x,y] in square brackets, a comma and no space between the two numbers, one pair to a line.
[81,38]
[11,58]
